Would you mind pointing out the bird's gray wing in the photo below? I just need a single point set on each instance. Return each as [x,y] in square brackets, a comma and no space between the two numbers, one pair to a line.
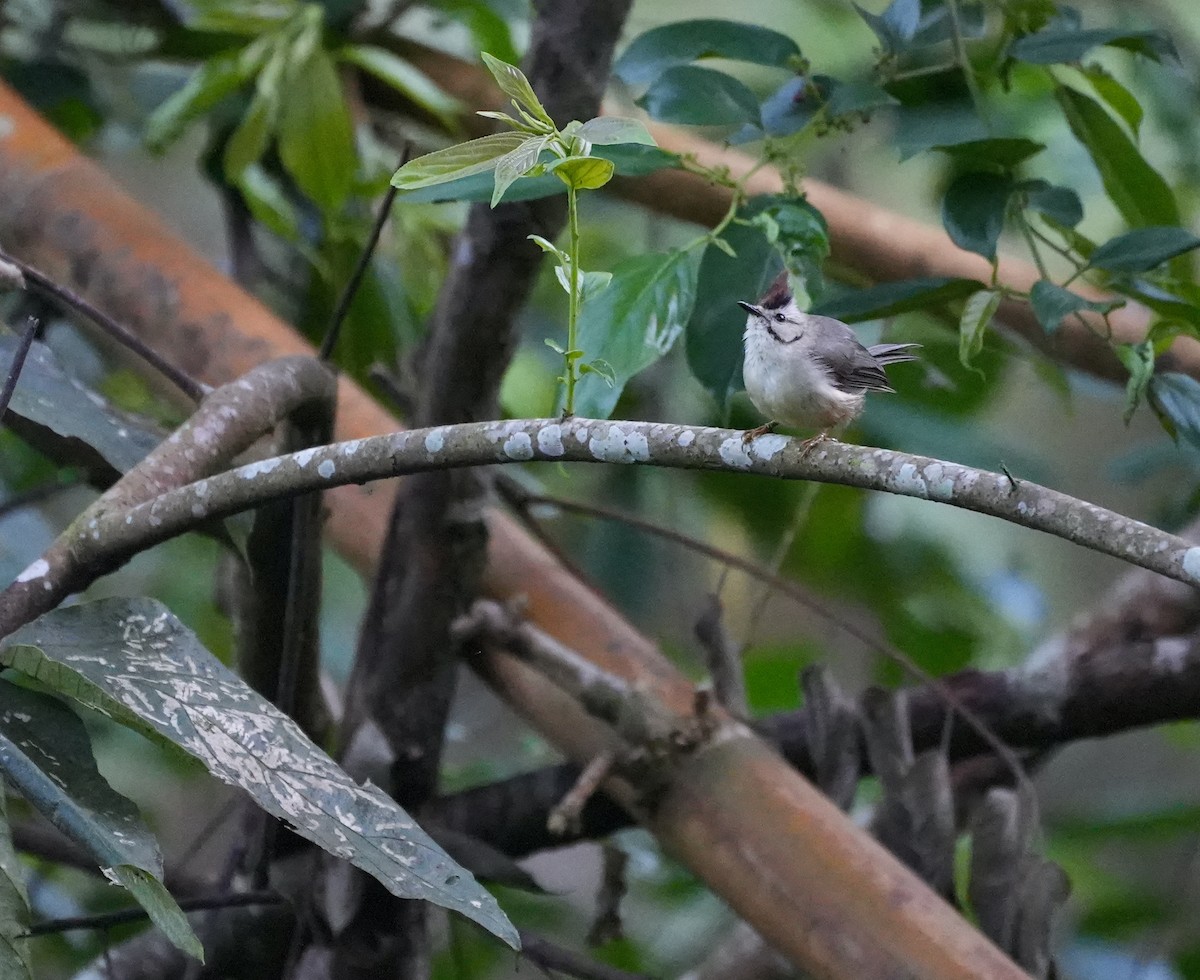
[851,367]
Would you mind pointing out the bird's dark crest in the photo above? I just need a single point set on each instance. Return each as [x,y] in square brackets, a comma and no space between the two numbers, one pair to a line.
[779,294]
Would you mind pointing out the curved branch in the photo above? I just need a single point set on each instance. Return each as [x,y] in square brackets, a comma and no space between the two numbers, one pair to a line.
[95,546]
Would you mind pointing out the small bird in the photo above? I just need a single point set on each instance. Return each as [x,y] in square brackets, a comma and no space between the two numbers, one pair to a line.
[809,371]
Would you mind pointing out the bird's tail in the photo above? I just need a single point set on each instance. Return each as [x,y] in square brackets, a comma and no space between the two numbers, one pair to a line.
[893,353]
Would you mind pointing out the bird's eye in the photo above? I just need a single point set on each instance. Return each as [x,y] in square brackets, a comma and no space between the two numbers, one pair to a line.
[780,318]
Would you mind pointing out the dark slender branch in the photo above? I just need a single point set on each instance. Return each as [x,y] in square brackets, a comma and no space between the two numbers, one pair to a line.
[72,300]
[360,270]
[18,362]
[107,920]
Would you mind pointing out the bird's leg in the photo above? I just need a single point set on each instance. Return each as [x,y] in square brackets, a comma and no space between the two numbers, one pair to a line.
[807,445]
[751,434]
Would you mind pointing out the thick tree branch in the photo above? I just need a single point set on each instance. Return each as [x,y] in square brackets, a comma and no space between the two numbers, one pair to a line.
[112,535]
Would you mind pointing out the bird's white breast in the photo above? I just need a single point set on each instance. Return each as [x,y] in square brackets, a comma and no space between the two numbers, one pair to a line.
[788,386]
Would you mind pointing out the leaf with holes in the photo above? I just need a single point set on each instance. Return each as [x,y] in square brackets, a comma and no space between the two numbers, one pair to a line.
[633,323]
[46,754]
[133,660]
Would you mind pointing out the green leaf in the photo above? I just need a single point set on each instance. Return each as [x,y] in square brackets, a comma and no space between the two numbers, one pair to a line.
[1137,189]
[550,248]
[133,660]
[1139,362]
[857,98]
[49,399]
[714,330]
[46,753]
[976,315]
[1051,303]
[1001,151]
[892,298]
[1123,102]
[1163,303]
[14,906]
[455,162]
[634,322]
[217,78]
[269,203]
[593,283]
[515,85]
[249,141]
[1175,399]
[896,26]
[1063,43]
[316,136]
[1143,249]
[489,30]
[630,160]
[406,79]
[608,130]
[583,173]
[682,42]
[697,96]
[516,163]
[973,211]
[1061,204]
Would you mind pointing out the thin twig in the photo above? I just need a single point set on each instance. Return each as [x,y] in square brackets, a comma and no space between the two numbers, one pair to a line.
[564,817]
[43,283]
[14,370]
[109,919]
[360,269]
[607,925]
[551,956]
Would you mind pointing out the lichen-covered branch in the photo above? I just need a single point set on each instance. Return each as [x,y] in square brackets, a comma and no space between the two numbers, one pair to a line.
[105,541]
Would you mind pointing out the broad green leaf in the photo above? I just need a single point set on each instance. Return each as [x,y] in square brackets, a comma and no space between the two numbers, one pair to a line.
[698,96]
[46,753]
[682,42]
[133,660]
[316,136]
[1063,43]
[455,162]
[47,398]
[976,315]
[249,141]
[1175,399]
[583,173]
[220,76]
[489,30]
[714,330]
[608,130]
[515,85]
[1061,204]
[1137,189]
[14,906]
[406,79]
[921,127]
[516,163]
[1051,303]
[630,160]
[1161,301]
[634,322]
[1142,249]
[269,203]
[1000,151]
[973,211]
[1139,362]
[1118,98]
[892,298]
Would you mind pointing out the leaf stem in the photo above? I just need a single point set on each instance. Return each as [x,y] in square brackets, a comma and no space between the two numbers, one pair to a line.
[575,279]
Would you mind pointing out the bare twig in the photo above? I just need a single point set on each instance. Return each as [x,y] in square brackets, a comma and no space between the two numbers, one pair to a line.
[723,657]
[360,269]
[72,300]
[564,816]
[18,362]
[551,956]
[107,920]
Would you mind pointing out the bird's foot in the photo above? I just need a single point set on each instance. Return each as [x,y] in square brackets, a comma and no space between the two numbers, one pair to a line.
[808,444]
[751,434]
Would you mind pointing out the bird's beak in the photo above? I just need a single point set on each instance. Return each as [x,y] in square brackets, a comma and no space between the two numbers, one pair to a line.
[751,308]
